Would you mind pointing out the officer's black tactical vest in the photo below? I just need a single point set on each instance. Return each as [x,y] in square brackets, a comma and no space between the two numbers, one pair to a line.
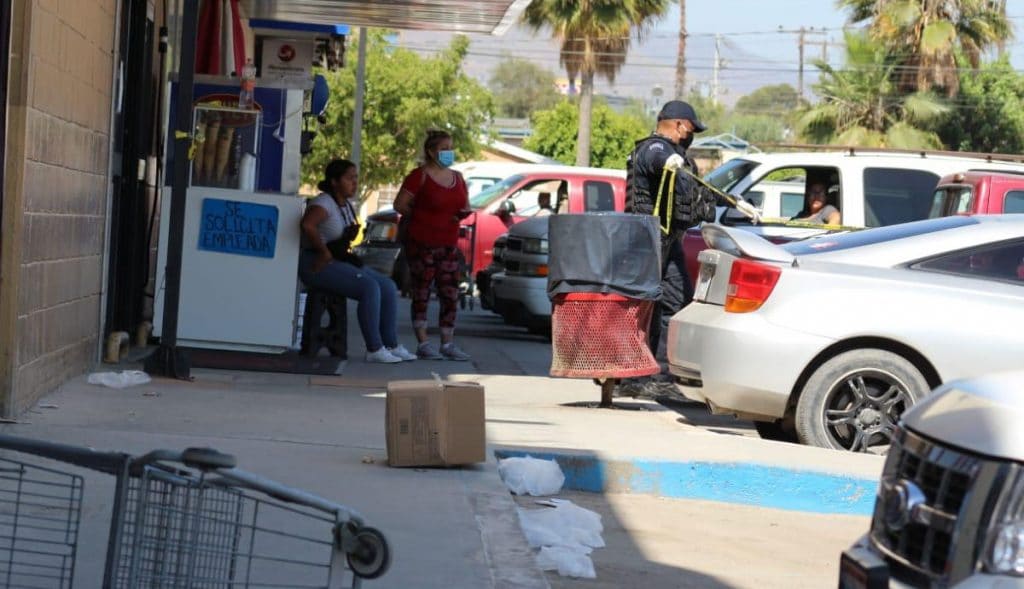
[640,194]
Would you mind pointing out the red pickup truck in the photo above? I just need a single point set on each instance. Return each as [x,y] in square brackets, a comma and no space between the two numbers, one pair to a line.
[497,208]
[978,193]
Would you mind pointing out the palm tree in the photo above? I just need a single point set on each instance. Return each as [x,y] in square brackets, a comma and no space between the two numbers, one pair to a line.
[862,106]
[923,36]
[595,36]
[681,52]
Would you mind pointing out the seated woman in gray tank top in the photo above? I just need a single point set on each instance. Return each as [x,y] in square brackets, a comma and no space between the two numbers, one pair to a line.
[328,226]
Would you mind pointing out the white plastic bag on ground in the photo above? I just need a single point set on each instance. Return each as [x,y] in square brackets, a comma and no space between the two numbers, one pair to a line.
[119,380]
[566,534]
[531,476]
[567,524]
[568,562]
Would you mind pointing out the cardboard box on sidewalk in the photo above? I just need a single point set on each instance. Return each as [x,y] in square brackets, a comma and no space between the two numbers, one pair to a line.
[435,423]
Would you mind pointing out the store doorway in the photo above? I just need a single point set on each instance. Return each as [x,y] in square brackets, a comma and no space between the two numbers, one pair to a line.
[133,206]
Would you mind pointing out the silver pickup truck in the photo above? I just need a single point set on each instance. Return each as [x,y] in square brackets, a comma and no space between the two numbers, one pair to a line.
[950,505]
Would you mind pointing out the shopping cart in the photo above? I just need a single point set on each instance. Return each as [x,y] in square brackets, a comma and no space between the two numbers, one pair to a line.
[179,519]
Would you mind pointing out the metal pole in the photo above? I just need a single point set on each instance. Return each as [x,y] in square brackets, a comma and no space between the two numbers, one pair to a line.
[168,360]
[607,392]
[800,75]
[715,67]
[357,115]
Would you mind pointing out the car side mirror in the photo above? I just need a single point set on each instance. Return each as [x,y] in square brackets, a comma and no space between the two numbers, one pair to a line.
[506,209]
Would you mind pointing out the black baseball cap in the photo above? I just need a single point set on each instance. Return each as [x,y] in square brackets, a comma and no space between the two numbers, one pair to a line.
[677,109]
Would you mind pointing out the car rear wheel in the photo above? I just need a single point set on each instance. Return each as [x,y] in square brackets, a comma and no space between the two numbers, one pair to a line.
[854,401]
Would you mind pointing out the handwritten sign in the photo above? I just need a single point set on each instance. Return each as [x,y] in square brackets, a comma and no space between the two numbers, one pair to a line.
[242,228]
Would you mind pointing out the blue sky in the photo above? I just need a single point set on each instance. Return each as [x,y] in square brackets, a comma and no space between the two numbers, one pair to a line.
[754,51]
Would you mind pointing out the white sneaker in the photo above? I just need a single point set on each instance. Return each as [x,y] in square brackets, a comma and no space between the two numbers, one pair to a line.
[426,351]
[400,352]
[382,356]
[452,352]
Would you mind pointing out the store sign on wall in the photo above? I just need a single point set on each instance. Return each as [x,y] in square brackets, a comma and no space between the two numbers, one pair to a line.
[242,228]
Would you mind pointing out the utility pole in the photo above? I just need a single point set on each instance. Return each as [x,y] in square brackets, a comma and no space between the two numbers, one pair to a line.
[802,41]
[715,68]
[681,54]
[357,115]
[800,75]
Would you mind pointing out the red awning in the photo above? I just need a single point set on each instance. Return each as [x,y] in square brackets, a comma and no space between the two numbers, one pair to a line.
[220,27]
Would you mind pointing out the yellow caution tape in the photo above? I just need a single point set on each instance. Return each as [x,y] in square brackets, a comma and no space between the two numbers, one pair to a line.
[807,224]
[669,175]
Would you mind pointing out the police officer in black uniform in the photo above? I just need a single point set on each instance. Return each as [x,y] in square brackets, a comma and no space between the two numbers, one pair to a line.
[655,185]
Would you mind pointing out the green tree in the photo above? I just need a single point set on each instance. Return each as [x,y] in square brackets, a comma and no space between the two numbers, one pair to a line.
[990,111]
[406,94]
[765,115]
[639,109]
[923,36]
[555,130]
[861,105]
[521,87]
[711,113]
[757,128]
[778,100]
[595,35]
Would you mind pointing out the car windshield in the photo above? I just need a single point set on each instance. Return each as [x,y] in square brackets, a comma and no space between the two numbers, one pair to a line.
[951,200]
[725,176]
[842,241]
[477,184]
[487,195]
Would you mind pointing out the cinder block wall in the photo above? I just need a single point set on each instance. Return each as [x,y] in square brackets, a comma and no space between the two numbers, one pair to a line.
[67,123]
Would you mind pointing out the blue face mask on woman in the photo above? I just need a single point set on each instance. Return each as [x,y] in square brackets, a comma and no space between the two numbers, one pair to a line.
[446,157]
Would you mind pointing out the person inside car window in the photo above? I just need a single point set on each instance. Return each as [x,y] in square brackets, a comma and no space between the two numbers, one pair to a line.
[816,207]
[544,202]
[562,202]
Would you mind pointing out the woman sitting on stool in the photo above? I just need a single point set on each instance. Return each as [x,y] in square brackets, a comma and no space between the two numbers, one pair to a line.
[328,226]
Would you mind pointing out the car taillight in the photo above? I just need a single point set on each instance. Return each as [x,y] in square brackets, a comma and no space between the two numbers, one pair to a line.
[750,283]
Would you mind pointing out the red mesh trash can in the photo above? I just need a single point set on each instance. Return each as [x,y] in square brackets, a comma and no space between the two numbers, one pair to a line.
[600,336]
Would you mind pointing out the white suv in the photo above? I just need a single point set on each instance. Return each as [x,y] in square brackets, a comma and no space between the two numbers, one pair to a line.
[871,188]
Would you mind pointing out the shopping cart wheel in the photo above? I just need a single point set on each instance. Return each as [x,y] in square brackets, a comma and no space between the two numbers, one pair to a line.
[207,459]
[371,557]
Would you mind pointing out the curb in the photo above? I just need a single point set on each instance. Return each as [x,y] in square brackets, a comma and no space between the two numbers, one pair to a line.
[760,485]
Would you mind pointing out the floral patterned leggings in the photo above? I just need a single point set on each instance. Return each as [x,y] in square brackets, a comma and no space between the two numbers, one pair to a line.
[440,266]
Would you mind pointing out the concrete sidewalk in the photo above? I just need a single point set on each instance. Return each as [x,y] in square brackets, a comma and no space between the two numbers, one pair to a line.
[448,527]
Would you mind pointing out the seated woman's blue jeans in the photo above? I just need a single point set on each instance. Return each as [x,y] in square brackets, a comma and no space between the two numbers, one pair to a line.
[376,294]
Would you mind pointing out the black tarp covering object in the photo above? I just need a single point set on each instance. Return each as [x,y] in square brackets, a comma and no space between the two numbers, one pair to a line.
[610,253]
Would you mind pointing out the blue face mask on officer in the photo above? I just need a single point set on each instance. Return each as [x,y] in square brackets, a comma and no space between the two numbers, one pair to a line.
[446,157]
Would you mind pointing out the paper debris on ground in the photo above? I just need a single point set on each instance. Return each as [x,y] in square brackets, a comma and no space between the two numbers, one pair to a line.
[119,380]
[531,476]
[566,535]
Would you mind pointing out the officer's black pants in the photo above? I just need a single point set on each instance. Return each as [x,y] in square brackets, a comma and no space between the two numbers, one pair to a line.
[676,291]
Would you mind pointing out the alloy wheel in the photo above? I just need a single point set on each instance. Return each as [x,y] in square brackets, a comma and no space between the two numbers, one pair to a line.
[862,409]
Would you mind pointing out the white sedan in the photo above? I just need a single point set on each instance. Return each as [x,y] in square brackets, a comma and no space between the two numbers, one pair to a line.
[829,340]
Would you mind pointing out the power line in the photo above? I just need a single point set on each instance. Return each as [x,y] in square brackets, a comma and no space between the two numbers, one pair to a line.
[783,69]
